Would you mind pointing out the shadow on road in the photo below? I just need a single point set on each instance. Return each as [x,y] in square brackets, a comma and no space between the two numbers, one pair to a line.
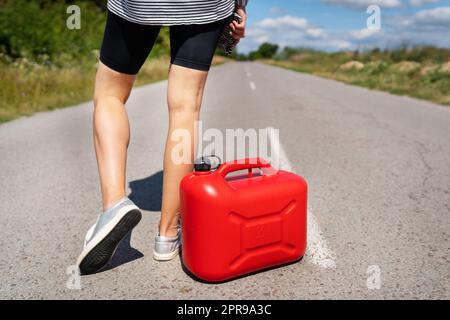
[146,193]
[125,253]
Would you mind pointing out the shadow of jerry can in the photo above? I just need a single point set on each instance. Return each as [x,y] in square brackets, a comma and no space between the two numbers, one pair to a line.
[233,225]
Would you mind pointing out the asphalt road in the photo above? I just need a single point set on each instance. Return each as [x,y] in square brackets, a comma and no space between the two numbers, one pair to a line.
[378,168]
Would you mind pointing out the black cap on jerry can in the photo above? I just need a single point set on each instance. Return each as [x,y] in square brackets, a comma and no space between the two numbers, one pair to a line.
[202,165]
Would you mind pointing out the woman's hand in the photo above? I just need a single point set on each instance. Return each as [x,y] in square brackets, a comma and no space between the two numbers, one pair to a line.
[238,29]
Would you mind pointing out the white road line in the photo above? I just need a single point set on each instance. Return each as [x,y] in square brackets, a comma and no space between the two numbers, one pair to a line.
[317,251]
[247,72]
[252,85]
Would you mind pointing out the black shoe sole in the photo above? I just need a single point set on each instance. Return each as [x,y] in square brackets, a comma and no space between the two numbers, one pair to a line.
[102,253]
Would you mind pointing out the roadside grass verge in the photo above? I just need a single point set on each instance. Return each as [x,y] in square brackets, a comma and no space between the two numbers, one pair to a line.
[427,78]
[27,88]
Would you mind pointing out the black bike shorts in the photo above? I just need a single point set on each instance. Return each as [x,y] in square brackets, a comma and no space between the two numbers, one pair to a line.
[126,45]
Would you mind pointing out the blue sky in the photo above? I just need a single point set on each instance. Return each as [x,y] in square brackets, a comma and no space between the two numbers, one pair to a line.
[342,24]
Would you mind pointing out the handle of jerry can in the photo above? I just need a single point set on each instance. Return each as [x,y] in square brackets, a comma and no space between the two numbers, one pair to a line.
[249,164]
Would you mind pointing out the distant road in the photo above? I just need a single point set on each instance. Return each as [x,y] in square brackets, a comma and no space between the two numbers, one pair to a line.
[378,168]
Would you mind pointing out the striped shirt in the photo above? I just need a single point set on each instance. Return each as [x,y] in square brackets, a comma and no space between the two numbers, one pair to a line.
[173,12]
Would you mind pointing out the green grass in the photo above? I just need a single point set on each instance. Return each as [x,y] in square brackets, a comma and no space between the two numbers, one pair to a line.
[26,89]
[420,73]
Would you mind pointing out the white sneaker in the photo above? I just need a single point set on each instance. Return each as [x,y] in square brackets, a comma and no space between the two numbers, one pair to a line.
[103,238]
[167,248]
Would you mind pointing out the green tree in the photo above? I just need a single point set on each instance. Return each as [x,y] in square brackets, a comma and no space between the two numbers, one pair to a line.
[265,51]
[254,55]
[268,50]
[36,30]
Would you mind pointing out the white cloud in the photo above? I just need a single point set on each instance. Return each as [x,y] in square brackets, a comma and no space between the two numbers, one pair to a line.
[287,31]
[285,21]
[419,3]
[437,16]
[423,20]
[426,27]
[285,27]
[315,32]
[363,34]
[362,4]
[358,4]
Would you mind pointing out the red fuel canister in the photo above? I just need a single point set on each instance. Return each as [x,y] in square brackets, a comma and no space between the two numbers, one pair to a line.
[235,225]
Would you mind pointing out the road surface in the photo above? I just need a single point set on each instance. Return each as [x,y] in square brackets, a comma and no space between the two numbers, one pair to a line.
[378,168]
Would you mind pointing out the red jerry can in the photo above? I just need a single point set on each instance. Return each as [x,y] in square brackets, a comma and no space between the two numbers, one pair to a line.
[236,225]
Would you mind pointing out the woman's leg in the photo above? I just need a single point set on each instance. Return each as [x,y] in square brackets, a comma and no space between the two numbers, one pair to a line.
[111,137]
[184,96]
[111,131]
[125,48]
